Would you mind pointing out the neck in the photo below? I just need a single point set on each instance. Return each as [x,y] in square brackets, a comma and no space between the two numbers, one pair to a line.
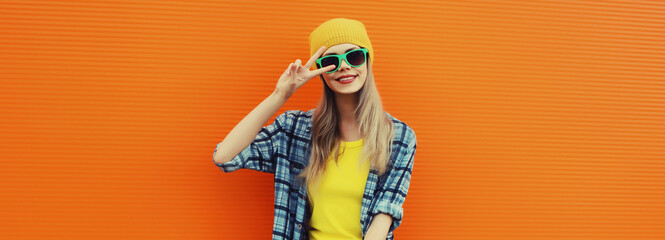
[346,104]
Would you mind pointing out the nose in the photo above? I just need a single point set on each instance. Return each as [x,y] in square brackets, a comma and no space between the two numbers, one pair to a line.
[343,65]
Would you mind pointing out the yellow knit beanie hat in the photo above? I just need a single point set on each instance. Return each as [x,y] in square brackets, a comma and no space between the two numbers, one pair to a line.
[337,31]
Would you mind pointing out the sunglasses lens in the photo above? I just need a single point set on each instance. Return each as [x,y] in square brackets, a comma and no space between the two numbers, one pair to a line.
[327,61]
[356,58]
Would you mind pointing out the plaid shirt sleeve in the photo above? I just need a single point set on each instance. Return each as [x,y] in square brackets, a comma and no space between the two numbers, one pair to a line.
[392,194]
[260,155]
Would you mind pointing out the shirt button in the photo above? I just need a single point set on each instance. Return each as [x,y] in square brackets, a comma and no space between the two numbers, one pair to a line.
[299,226]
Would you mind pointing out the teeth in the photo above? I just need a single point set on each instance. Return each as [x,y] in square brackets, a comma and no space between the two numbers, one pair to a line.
[348,78]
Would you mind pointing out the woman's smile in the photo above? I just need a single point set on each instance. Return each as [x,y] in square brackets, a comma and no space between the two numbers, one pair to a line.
[345,80]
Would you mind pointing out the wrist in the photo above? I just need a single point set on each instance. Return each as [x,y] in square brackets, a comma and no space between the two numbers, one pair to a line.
[279,95]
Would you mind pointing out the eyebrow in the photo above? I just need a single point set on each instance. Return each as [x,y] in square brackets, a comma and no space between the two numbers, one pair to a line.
[347,50]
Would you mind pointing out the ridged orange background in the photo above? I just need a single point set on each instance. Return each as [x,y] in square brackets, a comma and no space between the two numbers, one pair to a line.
[535,119]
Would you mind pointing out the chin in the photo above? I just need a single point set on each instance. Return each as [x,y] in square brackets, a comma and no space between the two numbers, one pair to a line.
[346,91]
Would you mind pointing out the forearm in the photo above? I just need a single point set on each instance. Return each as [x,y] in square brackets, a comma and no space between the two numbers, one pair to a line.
[379,227]
[246,130]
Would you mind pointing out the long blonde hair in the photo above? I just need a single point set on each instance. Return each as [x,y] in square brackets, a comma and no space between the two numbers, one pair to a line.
[376,129]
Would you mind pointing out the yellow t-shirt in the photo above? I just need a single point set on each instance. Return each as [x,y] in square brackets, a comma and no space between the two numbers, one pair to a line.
[337,200]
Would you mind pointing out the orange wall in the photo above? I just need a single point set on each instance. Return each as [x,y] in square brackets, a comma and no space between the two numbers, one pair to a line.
[535,119]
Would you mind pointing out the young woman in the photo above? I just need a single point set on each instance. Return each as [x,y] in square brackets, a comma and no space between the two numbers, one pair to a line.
[342,170]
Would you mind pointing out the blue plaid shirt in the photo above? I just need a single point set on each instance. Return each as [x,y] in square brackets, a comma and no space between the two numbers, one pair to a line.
[283,149]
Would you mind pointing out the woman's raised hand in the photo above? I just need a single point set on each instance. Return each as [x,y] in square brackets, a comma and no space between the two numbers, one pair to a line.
[297,75]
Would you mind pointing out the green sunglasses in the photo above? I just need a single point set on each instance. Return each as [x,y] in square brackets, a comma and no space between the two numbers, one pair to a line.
[355,58]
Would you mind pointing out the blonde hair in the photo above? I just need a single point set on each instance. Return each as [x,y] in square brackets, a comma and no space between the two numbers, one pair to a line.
[376,129]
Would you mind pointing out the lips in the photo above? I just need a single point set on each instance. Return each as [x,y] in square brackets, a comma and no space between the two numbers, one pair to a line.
[344,76]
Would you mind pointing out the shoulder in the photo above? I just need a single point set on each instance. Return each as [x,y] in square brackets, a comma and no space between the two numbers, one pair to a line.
[404,134]
[296,121]
[295,116]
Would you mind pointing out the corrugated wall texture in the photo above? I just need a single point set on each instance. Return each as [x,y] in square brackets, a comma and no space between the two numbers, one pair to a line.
[535,119]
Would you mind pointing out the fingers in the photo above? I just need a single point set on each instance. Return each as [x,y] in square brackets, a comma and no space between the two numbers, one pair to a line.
[316,55]
[289,69]
[322,70]
[293,67]
[294,70]
[287,72]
